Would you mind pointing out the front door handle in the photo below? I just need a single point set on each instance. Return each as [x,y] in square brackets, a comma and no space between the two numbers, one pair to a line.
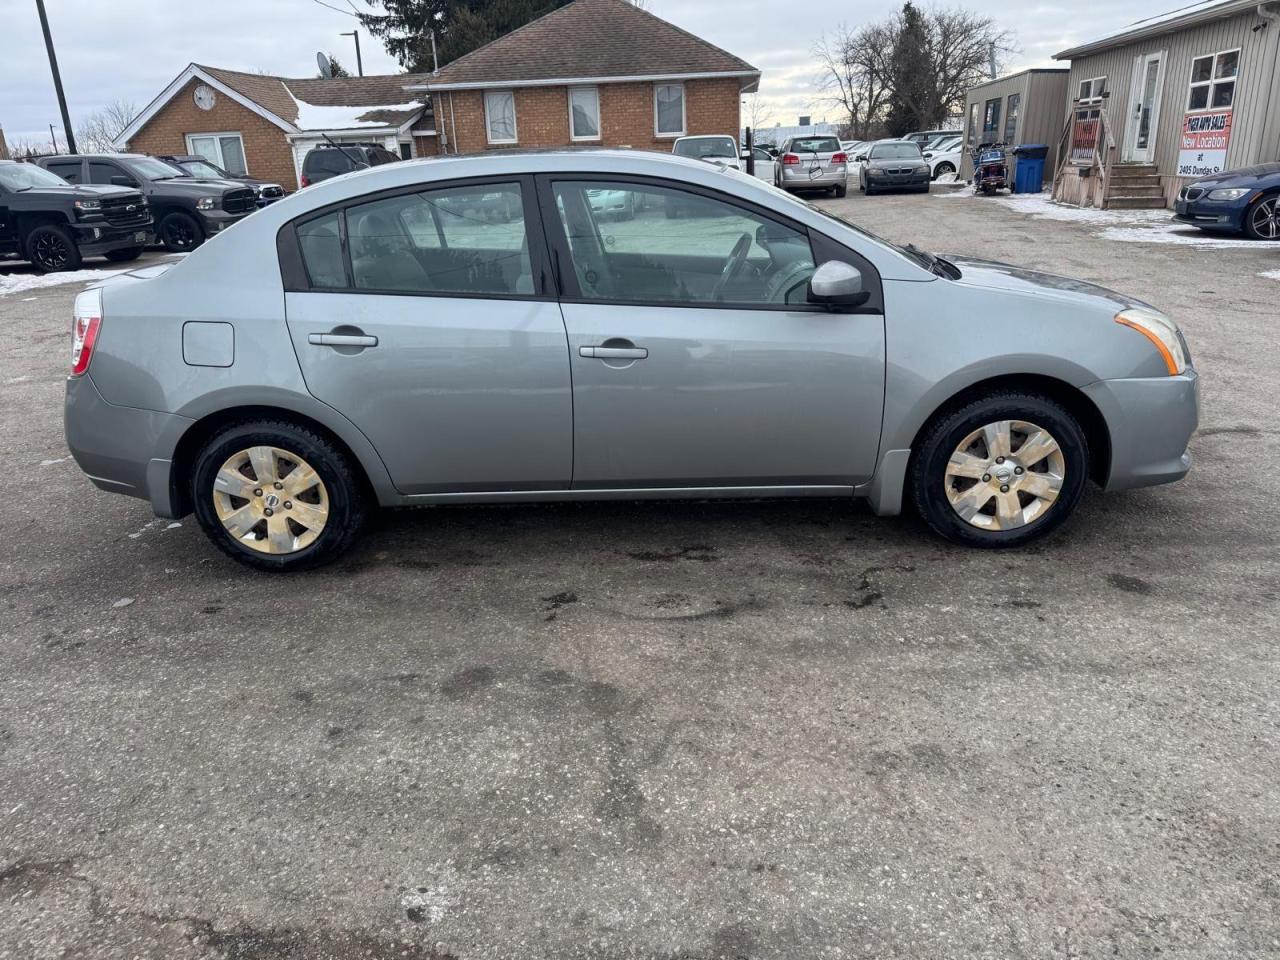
[613,353]
[341,340]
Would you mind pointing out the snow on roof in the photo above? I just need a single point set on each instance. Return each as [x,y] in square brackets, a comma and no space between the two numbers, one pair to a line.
[314,117]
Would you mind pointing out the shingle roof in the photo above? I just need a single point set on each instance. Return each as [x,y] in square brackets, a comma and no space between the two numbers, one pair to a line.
[281,95]
[590,39]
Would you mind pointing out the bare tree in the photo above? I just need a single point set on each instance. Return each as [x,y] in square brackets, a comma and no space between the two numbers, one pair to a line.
[96,133]
[758,112]
[855,75]
[25,148]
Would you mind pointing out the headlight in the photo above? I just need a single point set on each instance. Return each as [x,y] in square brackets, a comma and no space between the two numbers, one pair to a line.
[1161,331]
[88,206]
[1232,193]
[206,203]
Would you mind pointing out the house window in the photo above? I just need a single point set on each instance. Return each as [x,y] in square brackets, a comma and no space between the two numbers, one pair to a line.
[584,113]
[1091,90]
[973,122]
[500,116]
[1011,117]
[225,150]
[1213,81]
[991,120]
[668,109]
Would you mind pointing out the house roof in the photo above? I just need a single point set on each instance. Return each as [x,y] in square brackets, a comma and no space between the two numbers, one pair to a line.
[598,40]
[1179,18]
[299,105]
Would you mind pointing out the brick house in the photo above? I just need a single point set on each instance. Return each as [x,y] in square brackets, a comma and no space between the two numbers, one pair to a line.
[264,125]
[593,72]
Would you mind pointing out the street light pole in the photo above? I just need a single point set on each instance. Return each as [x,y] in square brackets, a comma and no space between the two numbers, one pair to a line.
[359,62]
[57,79]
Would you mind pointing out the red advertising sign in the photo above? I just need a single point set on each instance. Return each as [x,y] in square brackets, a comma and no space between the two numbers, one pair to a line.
[1203,148]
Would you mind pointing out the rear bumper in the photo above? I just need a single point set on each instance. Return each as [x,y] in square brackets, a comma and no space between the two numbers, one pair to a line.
[798,178]
[122,449]
[1151,422]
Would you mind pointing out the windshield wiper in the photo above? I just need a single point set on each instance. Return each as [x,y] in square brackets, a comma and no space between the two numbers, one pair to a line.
[935,263]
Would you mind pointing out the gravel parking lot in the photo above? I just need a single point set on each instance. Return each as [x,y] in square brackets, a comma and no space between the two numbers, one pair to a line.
[765,730]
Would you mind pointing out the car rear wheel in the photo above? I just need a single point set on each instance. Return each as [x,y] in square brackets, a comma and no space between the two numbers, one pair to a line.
[277,496]
[51,248]
[123,256]
[1000,471]
[943,169]
[180,232]
[839,191]
[1262,220]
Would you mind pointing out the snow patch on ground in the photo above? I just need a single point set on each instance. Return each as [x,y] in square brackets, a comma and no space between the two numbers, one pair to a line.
[1043,207]
[1270,274]
[1175,234]
[11,283]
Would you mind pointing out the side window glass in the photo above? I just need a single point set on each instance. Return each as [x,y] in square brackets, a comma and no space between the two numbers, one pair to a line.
[100,172]
[649,244]
[321,246]
[69,172]
[466,240]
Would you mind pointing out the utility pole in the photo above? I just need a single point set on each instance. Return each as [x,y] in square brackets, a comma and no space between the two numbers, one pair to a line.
[57,80]
[359,62]
[53,139]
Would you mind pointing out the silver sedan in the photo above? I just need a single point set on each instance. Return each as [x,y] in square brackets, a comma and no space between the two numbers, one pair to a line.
[373,342]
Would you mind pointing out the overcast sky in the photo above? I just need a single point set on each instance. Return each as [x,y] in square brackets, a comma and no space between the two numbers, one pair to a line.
[130,49]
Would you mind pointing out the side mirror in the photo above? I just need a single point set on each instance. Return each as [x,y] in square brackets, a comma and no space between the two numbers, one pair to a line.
[860,158]
[836,284]
[124,182]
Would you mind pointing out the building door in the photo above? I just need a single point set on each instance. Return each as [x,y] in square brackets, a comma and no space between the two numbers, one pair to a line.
[1144,110]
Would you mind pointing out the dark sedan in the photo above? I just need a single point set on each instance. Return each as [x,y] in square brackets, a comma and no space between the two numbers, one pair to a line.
[1237,201]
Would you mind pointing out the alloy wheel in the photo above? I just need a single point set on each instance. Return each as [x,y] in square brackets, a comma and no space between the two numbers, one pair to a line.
[179,233]
[1266,219]
[50,251]
[270,500]
[1005,475]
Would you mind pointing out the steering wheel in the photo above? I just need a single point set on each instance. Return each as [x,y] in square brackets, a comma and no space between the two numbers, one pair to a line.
[737,260]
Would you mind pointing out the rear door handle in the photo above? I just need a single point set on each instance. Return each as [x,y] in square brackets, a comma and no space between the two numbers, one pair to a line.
[613,353]
[341,340]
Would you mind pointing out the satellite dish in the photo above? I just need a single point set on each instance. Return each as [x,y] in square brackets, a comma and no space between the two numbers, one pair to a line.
[326,68]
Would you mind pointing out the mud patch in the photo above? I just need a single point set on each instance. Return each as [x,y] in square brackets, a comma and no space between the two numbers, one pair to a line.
[702,554]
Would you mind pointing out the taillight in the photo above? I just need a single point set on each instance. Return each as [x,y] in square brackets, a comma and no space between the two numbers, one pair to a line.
[304,181]
[84,330]
[790,160]
[839,158]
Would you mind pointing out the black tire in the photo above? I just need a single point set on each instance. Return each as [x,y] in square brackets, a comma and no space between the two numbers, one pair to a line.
[1260,220]
[180,232]
[52,249]
[839,192]
[927,472]
[123,256]
[346,500]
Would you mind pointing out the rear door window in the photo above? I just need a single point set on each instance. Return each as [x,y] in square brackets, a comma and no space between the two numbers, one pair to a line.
[321,244]
[68,170]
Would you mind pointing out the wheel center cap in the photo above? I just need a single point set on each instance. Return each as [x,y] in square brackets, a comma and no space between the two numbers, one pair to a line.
[271,500]
[1004,473]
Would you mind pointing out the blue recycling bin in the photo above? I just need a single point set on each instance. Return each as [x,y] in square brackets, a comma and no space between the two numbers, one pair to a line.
[1028,175]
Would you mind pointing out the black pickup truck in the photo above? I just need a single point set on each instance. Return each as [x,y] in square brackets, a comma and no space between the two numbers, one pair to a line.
[187,211]
[56,225]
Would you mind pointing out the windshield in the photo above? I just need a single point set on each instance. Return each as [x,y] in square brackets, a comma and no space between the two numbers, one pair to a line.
[895,151]
[149,168]
[815,145]
[201,168]
[703,148]
[24,176]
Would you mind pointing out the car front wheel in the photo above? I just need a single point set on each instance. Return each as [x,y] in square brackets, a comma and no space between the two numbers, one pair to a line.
[277,496]
[180,232]
[1262,220]
[1001,470]
[51,248]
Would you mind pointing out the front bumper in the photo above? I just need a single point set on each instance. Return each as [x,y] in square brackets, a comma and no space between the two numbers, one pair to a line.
[95,239]
[215,221]
[914,180]
[1151,421]
[122,449]
[1210,214]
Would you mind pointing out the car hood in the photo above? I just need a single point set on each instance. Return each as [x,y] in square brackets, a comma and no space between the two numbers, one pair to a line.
[95,190]
[991,275]
[1268,173]
[191,187]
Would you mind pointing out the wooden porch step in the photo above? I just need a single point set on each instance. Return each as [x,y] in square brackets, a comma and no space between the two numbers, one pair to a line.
[1134,179]
[1132,190]
[1134,169]
[1135,203]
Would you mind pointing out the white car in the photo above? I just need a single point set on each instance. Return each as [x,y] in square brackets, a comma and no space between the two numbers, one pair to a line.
[944,157]
[766,166]
[713,149]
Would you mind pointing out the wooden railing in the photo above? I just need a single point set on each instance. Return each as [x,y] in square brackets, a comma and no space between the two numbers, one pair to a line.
[1087,142]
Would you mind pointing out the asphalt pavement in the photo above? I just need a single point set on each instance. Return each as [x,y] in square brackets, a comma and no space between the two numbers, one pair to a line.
[656,730]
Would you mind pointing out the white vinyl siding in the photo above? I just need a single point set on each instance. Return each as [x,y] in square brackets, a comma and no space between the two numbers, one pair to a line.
[668,109]
[500,116]
[584,113]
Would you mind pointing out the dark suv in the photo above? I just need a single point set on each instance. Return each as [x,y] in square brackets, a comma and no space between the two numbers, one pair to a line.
[327,161]
[204,169]
[55,225]
[186,211]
